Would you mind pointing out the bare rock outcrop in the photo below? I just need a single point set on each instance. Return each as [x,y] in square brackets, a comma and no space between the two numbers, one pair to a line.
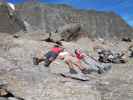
[10,24]
[50,18]
[43,19]
[29,82]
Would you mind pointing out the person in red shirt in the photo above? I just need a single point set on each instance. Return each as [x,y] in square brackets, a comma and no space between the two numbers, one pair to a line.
[79,54]
[52,54]
[93,64]
[72,62]
[49,56]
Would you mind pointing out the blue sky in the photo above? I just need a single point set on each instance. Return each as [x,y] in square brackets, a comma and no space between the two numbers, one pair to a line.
[123,8]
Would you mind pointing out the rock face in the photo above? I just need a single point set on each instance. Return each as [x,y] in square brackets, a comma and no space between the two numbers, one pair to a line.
[27,81]
[49,18]
[9,24]
[43,18]
[30,82]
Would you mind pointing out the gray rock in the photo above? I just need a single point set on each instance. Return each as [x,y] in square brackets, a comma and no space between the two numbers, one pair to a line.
[40,83]
[3,82]
[10,24]
[69,31]
[12,98]
[2,98]
[44,19]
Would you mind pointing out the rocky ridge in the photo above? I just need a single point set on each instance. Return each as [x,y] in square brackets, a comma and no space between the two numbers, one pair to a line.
[30,82]
[61,20]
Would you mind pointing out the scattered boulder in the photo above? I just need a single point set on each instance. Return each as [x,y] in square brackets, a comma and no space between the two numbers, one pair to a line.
[5,94]
[131,51]
[49,18]
[2,98]
[69,31]
[126,39]
[7,91]
[10,22]
[3,83]
[106,56]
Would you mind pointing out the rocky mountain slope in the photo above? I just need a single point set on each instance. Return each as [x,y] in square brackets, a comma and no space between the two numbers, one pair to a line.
[21,78]
[31,82]
[94,23]
[45,18]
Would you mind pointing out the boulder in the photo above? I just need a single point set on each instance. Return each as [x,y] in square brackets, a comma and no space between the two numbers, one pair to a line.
[10,23]
[69,31]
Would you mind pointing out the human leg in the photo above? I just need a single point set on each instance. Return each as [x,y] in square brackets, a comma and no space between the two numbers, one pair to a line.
[80,66]
[91,64]
[94,65]
[50,57]
[71,68]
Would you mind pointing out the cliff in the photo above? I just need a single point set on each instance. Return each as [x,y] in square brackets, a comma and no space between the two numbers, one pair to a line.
[50,18]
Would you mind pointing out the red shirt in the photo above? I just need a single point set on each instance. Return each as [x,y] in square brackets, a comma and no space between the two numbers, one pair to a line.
[56,49]
[80,55]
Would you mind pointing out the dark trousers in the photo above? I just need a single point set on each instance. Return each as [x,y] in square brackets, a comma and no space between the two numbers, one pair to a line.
[50,56]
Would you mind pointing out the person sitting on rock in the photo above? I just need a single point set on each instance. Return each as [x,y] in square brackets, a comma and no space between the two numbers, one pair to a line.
[93,64]
[72,62]
[49,56]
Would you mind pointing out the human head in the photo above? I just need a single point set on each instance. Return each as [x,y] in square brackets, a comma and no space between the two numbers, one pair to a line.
[77,51]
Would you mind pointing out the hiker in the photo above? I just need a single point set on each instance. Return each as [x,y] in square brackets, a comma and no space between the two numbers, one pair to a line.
[93,64]
[49,56]
[72,62]
[52,54]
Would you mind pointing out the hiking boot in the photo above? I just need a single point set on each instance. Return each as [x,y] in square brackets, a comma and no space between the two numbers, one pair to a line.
[100,71]
[35,61]
[72,71]
[85,71]
[107,67]
[47,63]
